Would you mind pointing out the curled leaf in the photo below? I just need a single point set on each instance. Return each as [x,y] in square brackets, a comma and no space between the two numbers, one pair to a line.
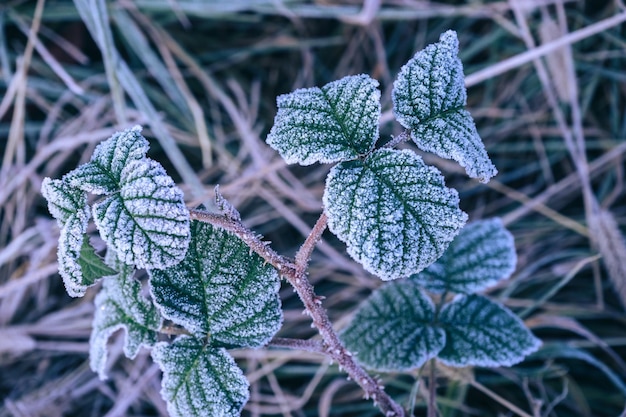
[120,305]
[68,205]
[220,290]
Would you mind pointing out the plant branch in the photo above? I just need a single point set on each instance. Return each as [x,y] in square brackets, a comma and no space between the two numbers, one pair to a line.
[295,273]
[304,253]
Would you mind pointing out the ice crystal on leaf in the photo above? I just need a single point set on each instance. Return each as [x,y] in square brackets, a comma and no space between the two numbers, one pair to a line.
[102,174]
[64,201]
[393,211]
[481,255]
[429,97]
[393,329]
[146,222]
[334,123]
[200,380]
[120,305]
[68,205]
[484,333]
[221,290]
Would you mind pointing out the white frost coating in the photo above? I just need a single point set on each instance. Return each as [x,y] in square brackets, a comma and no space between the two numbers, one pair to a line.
[480,332]
[69,207]
[199,380]
[120,305]
[393,211]
[393,329]
[334,123]
[64,201]
[102,174]
[481,255]
[220,290]
[429,97]
[68,253]
[147,222]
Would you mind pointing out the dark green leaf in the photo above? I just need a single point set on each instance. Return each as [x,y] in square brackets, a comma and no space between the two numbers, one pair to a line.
[199,380]
[481,255]
[483,333]
[393,329]
[91,264]
[220,290]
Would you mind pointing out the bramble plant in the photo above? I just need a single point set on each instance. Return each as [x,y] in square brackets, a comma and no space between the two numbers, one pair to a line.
[214,284]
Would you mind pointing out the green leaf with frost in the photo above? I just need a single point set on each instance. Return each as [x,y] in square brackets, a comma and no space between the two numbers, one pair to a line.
[68,205]
[337,122]
[91,264]
[429,97]
[393,329]
[200,380]
[103,173]
[393,212]
[482,254]
[220,290]
[481,332]
[146,222]
[121,305]
[64,201]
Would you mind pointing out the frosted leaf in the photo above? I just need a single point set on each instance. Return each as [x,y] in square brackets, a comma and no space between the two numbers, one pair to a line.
[481,255]
[337,122]
[429,97]
[146,222]
[64,201]
[102,174]
[221,290]
[392,330]
[483,333]
[68,205]
[393,211]
[68,254]
[200,380]
[120,305]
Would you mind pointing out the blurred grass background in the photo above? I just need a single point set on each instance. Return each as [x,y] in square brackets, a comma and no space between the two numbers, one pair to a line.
[547,87]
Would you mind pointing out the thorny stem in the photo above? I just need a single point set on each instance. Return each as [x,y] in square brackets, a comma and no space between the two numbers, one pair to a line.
[295,273]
